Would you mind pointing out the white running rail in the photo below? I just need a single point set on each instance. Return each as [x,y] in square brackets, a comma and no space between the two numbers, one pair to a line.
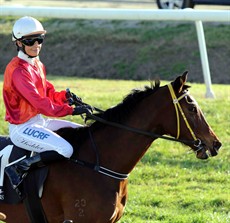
[197,16]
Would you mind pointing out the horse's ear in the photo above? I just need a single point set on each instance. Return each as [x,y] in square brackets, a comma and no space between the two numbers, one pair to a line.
[184,76]
[180,82]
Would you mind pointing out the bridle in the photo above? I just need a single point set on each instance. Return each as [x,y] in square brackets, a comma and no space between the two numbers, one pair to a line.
[197,142]
[176,101]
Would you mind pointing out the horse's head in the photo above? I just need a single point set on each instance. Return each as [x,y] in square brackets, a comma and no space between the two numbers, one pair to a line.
[191,127]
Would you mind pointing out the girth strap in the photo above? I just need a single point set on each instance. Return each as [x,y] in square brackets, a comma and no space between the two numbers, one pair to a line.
[96,167]
[102,170]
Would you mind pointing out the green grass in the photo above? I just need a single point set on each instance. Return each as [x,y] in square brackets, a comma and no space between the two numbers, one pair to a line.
[169,184]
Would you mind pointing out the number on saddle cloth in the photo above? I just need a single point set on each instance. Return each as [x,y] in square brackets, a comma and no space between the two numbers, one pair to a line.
[9,154]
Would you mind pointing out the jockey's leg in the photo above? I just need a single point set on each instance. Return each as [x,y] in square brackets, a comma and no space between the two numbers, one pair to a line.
[18,171]
[36,135]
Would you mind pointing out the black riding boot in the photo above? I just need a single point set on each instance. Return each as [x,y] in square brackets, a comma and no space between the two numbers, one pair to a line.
[18,171]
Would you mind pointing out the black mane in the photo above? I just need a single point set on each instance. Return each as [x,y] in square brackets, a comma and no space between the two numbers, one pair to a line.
[121,111]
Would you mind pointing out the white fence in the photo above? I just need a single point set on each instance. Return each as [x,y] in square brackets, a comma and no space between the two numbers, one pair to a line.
[196,16]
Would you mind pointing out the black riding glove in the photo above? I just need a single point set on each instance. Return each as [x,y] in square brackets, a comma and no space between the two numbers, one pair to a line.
[82,109]
[71,97]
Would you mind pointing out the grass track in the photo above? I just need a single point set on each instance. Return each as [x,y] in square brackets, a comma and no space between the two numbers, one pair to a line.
[168,185]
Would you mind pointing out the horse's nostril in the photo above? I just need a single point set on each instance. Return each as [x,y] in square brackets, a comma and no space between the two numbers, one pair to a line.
[217,145]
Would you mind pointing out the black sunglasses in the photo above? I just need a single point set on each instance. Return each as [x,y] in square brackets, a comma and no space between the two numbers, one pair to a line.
[30,42]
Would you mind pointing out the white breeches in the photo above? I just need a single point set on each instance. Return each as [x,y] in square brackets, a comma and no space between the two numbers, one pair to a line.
[37,135]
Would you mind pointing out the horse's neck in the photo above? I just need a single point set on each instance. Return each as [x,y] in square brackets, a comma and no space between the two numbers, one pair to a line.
[125,148]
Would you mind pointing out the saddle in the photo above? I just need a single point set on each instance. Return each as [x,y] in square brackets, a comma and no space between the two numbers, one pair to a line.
[9,154]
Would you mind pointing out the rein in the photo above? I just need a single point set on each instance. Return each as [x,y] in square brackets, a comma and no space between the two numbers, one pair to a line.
[176,103]
[135,130]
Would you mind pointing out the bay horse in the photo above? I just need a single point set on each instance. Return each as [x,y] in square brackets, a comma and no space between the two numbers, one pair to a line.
[112,146]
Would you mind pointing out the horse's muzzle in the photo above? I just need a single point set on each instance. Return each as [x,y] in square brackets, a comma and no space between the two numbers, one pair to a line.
[204,152]
[216,147]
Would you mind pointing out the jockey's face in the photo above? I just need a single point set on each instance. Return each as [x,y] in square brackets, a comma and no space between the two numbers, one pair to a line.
[32,44]
[33,50]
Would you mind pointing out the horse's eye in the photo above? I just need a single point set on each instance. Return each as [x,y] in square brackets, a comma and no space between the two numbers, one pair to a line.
[193,109]
[189,100]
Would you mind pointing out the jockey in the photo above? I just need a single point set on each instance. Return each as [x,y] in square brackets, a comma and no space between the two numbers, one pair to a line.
[27,96]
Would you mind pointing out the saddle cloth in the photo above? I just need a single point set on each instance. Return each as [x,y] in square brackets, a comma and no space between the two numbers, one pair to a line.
[9,154]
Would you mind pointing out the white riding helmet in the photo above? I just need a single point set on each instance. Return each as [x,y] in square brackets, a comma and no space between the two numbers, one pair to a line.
[26,26]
